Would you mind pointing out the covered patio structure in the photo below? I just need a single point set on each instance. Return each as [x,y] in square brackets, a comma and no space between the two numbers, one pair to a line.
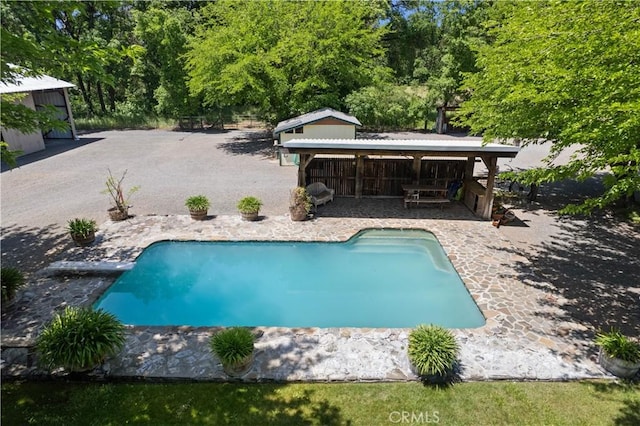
[385,168]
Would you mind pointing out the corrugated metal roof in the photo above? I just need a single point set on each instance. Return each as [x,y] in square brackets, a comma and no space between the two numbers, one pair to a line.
[312,117]
[31,84]
[402,145]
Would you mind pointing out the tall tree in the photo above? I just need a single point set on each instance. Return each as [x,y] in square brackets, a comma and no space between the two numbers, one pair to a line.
[163,30]
[442,69]
[284,57]
[430,45]
[569,73]
[87,41]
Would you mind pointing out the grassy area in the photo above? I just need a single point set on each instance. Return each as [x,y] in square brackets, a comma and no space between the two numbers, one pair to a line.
[495,403]
[121,122]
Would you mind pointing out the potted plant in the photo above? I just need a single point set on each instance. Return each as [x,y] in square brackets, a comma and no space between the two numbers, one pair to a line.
[249,208]
[618,354]
[198,206]
[433,352]
[12,279]
[234,347]
[299,204]
[79,339]
[83,231]
[119,197]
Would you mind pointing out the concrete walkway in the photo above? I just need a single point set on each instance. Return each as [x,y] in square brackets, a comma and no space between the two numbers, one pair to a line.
[526,335]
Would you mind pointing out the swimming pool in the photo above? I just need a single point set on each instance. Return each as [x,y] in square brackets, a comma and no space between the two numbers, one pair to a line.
[380,278]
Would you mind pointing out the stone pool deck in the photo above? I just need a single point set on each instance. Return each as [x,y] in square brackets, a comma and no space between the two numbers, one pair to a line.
[525,337]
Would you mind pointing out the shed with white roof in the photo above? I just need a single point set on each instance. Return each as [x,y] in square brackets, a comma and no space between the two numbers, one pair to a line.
[36,93]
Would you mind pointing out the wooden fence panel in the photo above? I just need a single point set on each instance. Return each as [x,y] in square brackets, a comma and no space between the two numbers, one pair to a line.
[382,177]
[336,173]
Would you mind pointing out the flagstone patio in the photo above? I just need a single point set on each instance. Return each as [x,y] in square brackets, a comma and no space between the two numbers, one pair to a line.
[525,336]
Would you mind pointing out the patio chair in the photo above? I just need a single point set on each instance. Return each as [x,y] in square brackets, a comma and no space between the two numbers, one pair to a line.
[320,194]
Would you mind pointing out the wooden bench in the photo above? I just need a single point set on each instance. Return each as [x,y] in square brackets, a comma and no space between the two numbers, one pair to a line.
[424,194]
[429,200]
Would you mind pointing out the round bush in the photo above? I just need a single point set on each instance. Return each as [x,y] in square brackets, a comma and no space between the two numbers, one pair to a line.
[433,350]
[79,339]
[12,279]
[617,345]
[197,203]
[232,345]
[82,227]
[249,204]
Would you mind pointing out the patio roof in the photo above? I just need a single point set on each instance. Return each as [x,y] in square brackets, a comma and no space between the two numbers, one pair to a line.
[401,147]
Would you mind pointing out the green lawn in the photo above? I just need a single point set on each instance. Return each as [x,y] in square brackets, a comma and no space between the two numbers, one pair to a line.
[495,403]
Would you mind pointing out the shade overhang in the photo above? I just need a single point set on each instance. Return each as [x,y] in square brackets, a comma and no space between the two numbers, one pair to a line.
[401,147]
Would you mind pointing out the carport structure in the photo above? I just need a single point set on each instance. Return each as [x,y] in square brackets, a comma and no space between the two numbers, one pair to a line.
[381,167]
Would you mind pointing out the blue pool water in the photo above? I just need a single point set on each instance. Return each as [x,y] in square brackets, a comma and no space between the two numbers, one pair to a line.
[379,278]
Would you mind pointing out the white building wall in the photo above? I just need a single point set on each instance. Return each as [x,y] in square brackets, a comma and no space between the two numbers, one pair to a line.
[315,131]
[27,143]
[327,131]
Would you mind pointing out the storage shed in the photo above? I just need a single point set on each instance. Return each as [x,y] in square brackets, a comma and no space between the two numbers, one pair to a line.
[38,92]
[325,123]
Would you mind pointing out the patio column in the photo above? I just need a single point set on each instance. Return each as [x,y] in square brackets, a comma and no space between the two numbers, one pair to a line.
[491,163]
[417,166]
[305,159]
[359,177]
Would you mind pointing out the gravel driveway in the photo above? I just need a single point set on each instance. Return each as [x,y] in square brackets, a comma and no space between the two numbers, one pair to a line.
[65,181]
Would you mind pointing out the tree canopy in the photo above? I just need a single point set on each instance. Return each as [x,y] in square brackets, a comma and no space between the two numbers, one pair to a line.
[569,73]
[565,72]
[285,58]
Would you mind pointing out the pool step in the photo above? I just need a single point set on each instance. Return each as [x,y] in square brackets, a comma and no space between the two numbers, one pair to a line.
[383,244]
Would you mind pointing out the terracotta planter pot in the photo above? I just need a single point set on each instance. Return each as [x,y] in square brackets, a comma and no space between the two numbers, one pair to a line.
[250,217]
[618,367]
[198,214]
[117,215]
[83,241]
[298,214]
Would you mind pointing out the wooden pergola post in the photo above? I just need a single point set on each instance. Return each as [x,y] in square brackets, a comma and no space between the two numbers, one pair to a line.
[359,175]
[491,163]
[305,159]
[417,166]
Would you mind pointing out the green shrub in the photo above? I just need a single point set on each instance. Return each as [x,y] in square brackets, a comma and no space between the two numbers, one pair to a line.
[433,350]
[197,203]
[249,205]
[81,227]
[617,345]
[232,345]
[79,339]
[300,199]
[12,279]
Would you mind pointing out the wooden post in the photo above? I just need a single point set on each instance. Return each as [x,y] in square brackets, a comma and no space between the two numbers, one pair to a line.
[469,196]
[305,159]
[359,177]
[468,169]
[491,163]
[417,165]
